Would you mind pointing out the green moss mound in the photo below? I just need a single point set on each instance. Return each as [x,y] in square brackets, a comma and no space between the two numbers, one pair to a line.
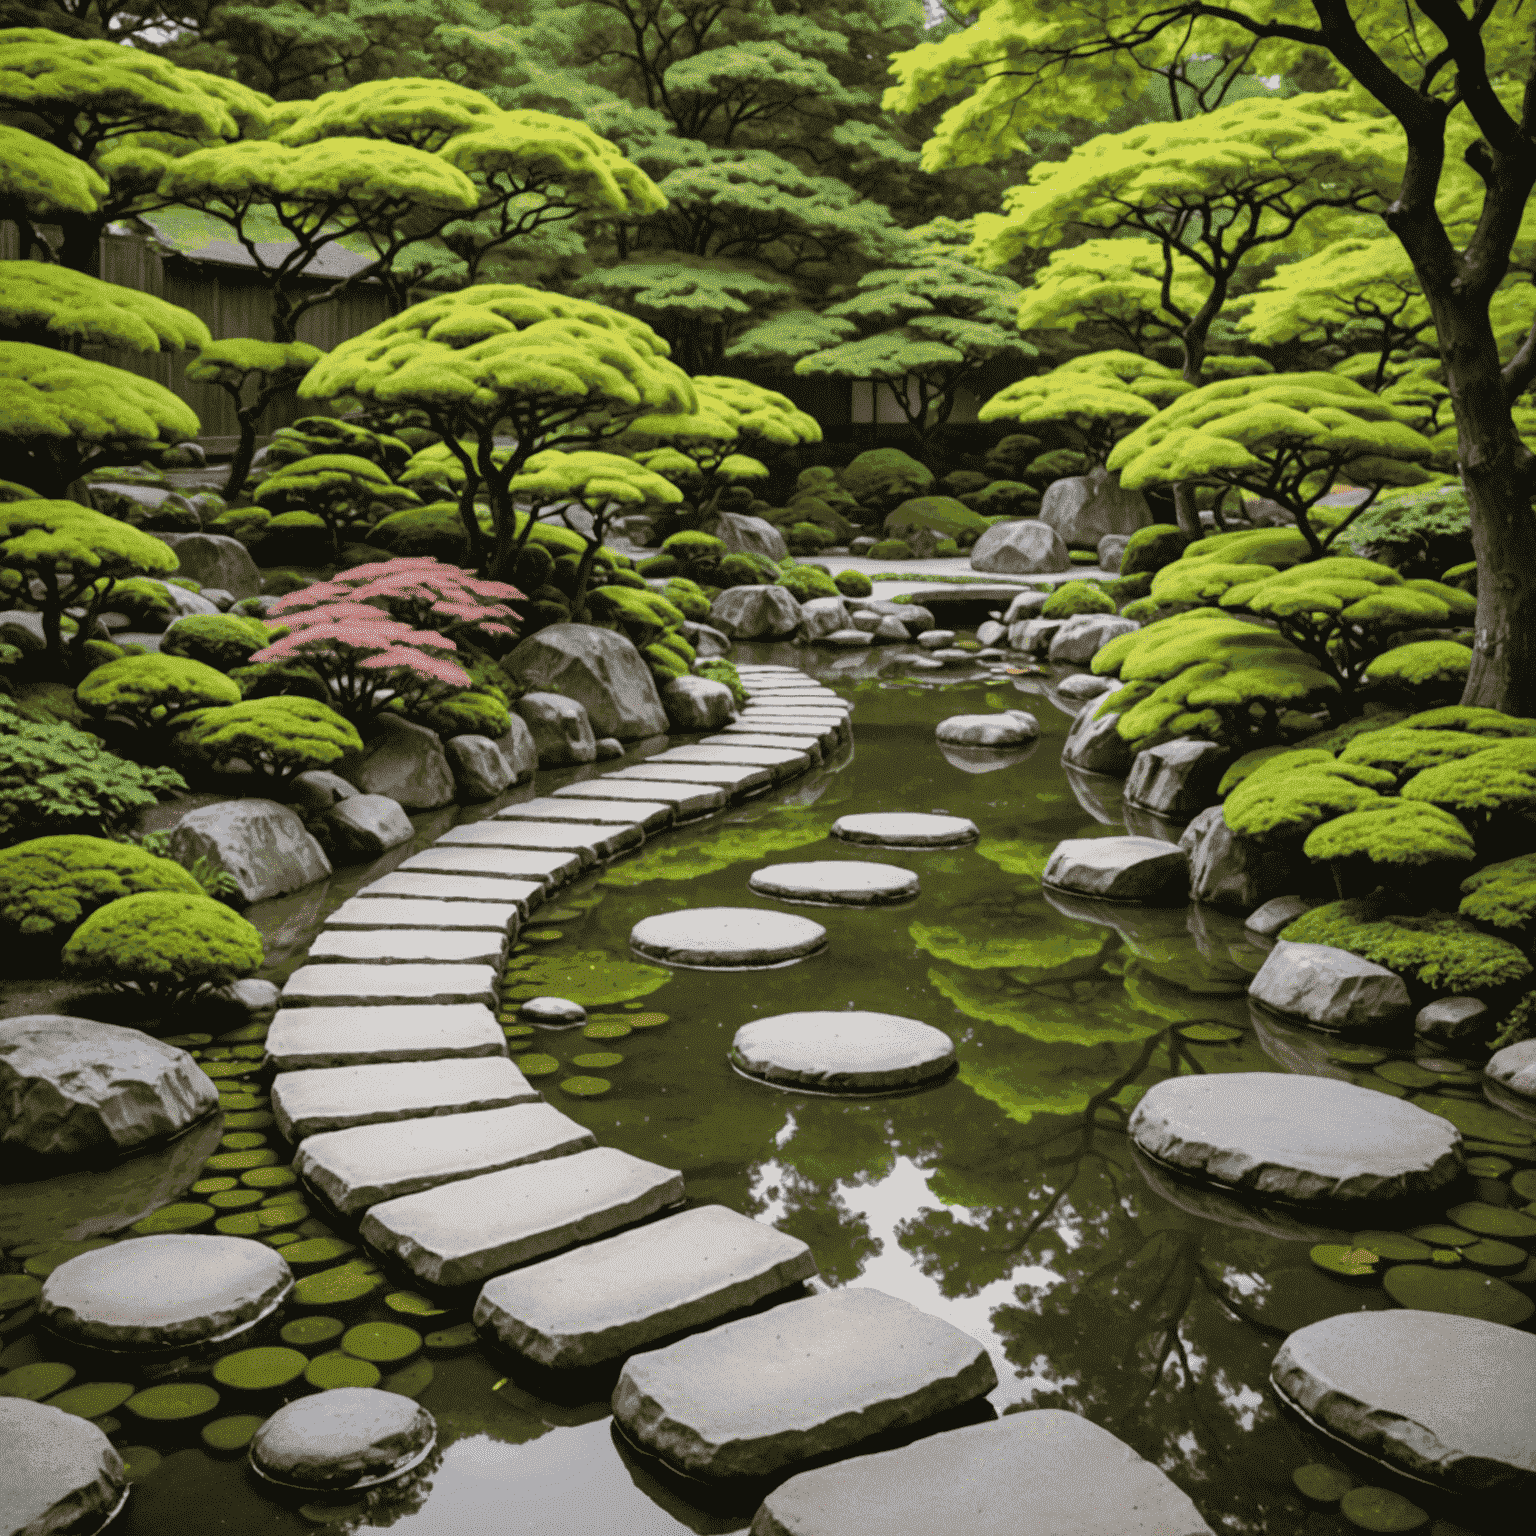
[1151,548]
[218,640]
[806,582]
[717,669]
[1461,1292]
[1402,834]
[1075,597]
[891,549]
[471,712]
[884,477]
[853,584]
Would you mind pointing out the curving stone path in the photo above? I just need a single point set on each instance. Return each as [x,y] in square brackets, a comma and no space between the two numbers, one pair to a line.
[836,883]
[726,938]
[905,829]
[842,1051]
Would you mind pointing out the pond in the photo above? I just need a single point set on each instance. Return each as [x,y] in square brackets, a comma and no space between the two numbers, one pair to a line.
[1005,1200]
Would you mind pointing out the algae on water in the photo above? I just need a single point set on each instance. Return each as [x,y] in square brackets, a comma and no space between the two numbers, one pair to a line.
[591,977]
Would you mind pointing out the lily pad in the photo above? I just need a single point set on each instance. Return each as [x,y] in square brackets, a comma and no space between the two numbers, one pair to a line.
[173,1402]
[597,1061]
[35,1382]
[1489,1167]
[1381,1085]
[138,1461]
[304,1332]
[382,1343]
[228,1069]
[1320,1484]
[244,1033]
[1380,1509]
[541,935]
[1407,1074]
[518,1031]
[293,1196]
[93,1399]
[1461,1292]
[1445,1258]
[252,1120]
[1357,1056]
[335,1287]
[1438,1235]
[648,1020]
[585,1087]
[1394,1247]
[183,1216]
[214,1186]
[1289,1299]
[326,1372]
[605,1030]
[186,1042]
[537,1065]
[1496,1257]
[18,1291]
[593,978]
[242,1141]
[411,1304]
[412,1381]
[1524,1184]
[447,1341]
[234,1199]
[317,1250]
[1494,1221]
[1480,1120]
[1457,1077]
[1347,1259]
[259,1370]
[239,1162]
[561,914]
[230,1434]
[1210,1034]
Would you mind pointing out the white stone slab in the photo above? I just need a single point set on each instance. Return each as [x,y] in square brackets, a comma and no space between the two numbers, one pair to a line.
[333,1098]
[905,829]
[590,841]
[611,1298]
[649,815]
[726,938]
[525,895]
[409,946]
[465,1232]
[333,986]
[836,883]
[809,1378]
[842,1051]
[1299,1138]
[305,1038]
[824,735]
[342,1440]
[731,737]
[687,800]
[357,1168]
[62,1474]
[797,698]
[1446,1398]
[781,762]
[739,779]
[551,869]
[1072,1477]
[423,912]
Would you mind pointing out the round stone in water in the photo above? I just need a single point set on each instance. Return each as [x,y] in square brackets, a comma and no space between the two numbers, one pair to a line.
[905,829]
[836,882]
[559,1012]
[726,938]
[844,1051]
[344,1439]
[61,1473]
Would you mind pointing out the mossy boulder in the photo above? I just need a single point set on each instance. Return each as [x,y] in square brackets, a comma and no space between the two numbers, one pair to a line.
[747,569]
[808,538]
[688,596]
[883,478]
[470,712]
[1074,597]
[945,515]
[436,530]
[805,582]
[1007,499]
[1151,548]
[891,549]
[853,584]
[218,640]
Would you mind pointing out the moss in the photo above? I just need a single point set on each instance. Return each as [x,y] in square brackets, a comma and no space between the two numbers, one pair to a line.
[1291,805]
[747,570]
[1502,895]
[1143,610]
[945,515]
[1407,752]
[1462,577]
[1477,722]
[1075,597]
[1151,548]
[1497,781]
[144,601]
[679,647]
[689,599]
[1394,833]
[471,712]
[436,530]
[891,549]
[643,616]
[279,736]
[1425,666]
[51,884]
[692,547]
[853,584]
[659,565]
[719,670]
[1336,738]
[665,664]
[218,640]
[149,692]
[808,538]
[805,582]
[884,477]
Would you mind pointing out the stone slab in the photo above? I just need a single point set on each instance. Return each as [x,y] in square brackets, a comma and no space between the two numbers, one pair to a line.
[731,739]
[360,1167]
[843,1366]
[842,1050]
[824,735]
[647,814]
[1138,869]
[1072,1477]
[1296,1138]
[799,698]
[610,1298]
[687,800]
[836,883]
[781,762]
[550,869]
[333,1098]
[301,1039]
[525,895]
[905,829]
[830,727]
[409,946]
[467,1231]
[1446,1398]
[726,938]
[322,986]
[425,913]
[61,1475]
[590,840]
[346,1439]
[738,779]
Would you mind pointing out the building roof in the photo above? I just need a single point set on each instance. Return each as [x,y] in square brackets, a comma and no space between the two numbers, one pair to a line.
[197,236]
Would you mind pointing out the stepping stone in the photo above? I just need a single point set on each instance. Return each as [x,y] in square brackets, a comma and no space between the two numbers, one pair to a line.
[800,699]
[62,1473]
[1298,1138]
[843,1366]
[795,732]
[610,1298]
[842,1051]
[1140,869]
[1448,1399]
[320,986]
[905,829]
[809,746]
[169,1291]
[525,895]
[783,764]
[836,883]
[1510,1077]
[409,946]
[550,869]
[590,841]
[805,719]
[557,1012]
[417,912]
[1330,989]
[333,1098]
[467,1231]
[687,800]
[1073,1478]
[343,1440]
[304,1038]
[726,938]
[739,779]
[357,1168]
[604,812]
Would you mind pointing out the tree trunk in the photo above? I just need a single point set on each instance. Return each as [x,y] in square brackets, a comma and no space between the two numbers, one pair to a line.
[240,465]
[1503,672]
[1185,510]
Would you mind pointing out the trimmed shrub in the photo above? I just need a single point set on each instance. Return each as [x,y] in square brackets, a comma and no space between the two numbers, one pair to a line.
[808,538]
[747,570]
[1435,668]
[804,582]
[1075,597]
[1007,499]
[149,692]
[1392,835]
[688,597]
[218,640]
[643,616]
[474,712]
[665,664]
[1502,895]
[891,549]
[659,565]
[436,530]
[1484,787]
[144,601]
[884,477]
[279,736]
[49,885]
[1407,752]
[853,583]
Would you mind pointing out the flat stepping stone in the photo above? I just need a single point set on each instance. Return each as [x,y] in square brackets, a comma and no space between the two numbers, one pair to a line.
[807,746]
[409,946]
[319,986]
[726,938]
[590,841]
[419,912]
[343,1440]
[465,1232]
[549,869]
[62,1473]
[905,829]
[650,815]
[610,1298]
[703,1405]
[1298,1138]
[168,1291]
[739,779]
[525,895]
[1510,1077]
[687,800]
[796,698]
[781,762]
[357,1168]
[836,883]
[302,1039]
[1073,1478]
[832,728]
[842,1051]
[1448,1399]
[1140,869]
[333,1098]
[793,731]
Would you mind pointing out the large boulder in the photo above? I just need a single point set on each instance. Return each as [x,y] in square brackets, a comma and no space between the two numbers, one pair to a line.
[315,792]
[1094,743]
[1234,872]
[480,768]
[749,613]
[744,535]
[1140,869]
[364,826]
[1330,988]
[263,846]
[705,640]
[62,1473]
[1033,636]
[1025,548]
[519,749]
[405,762]
[698,704]
[1177,779]
[823,616]
[1084,508]
[1081,636]
[600,669]
[562,733]
[215,560]
[72,1087]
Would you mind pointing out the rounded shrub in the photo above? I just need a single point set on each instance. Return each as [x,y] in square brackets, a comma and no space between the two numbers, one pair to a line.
[853,583]
[150,691]
[145,601]
[659,565]
[689,597]
[891,549]
[436,530]
[278,735]
[747,570]
[808,538]
[218,640]
[692,547]
[805,582]
[1151,548]
[1075,597]
[665,663]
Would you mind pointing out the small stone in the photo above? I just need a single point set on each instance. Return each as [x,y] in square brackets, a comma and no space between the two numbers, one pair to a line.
[843,1051]
[261,845]
[1084,686]
[1452,1021]
[318,790]
[726,938]
[562,733]
[936,639]
[1512,1071]
[404,762]
[1026,547]
[854,638]
[1330,988]
[905,829]
[1094,744]
[697,704]
[835,882]
[1236,873]
[364,826]
[1081,637]
[1025,605]
[1277,913]
[481,770]
[345,1439]
[1133,869]
[890,629]
[607,748]
[991,633]
[1013,728]
[60,1474]
[558,1012]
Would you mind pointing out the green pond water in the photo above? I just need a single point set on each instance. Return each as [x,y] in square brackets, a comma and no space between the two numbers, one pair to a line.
[1005,1200]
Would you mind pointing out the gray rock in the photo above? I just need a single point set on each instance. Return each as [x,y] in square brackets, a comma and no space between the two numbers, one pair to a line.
[1177,779]
[1012,728]
[846,1050]
[519,749]
[652,816]
[550,868]
[862,544]
[1330,988]
[186,604]
[473,890]
[261,845]
[302,1038]
[562,733]
[1296,1137]
[220,599]
[836,883]
[480,768]
[1232,872]
[744,535]
[914,617]
[1514,1070]
[318,790]
[1112,551]
[376,911]
[905,829]
[1264,513]
[365,826]
[62,1473]
[698,704]
[823,616]
[1084,508]
[349,1437]
[556,1012]
[936,639]
[1025,605]
[890,629]
[238,1006]
[748,613]
[588,841]
[726,938]
[991,633]
[1081,636]
[864,620]
[215,560]
[1082,686]
[1033,636]
[1139,869]
[137,504]
[1024,548]
[332,986]
[607,748]
[1094,744]
[1453,1021]
[853,639]
[404,761]
[706,640]
[71,1087]
[599,669]
[1276,913]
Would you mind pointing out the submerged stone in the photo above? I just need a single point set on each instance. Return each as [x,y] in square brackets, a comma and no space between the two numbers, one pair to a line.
[905,829]
[842,1050]
[346,1439]
[725,938]
[60,1473]
[836,882]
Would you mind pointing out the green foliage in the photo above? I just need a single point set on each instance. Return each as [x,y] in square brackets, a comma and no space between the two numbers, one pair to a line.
[1290,803]
[891,549]
[1337,737]
[1423,532]
[1406,752]
[150,692]
[693,548]
[718,670]
[1075,597]
[1127,589]
[218,640]
[1004,498]
[50,304]
[943,514]
[337,488]
[883,478]
[853,583]
[45,183]
[643,616]
[164,946]
[144,601]
[1519,1024]
[1498,781]
[49,884]
[243,523]
[206,874]
[1475,721]
[1151,548]
[436,530]
[1463,577]
[474,712]
[805,582]
[279,736]
[747,570]
[808,538]
[275,679]
[1502,895]
[1397,834]
[665,664]
[1425,667]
